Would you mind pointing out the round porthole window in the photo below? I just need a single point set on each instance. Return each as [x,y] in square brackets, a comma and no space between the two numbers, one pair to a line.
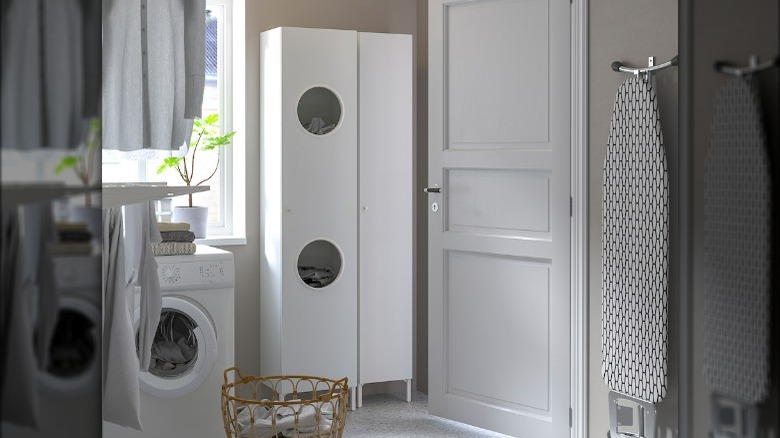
[183,351]
[175,348]
[73,364]
[72,349]
[319,263]
[319,110]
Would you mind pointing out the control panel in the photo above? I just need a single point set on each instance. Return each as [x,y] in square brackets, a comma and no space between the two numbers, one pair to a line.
[212,273]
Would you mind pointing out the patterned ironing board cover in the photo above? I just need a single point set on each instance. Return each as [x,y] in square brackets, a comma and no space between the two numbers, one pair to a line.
[635,246]
[737,222]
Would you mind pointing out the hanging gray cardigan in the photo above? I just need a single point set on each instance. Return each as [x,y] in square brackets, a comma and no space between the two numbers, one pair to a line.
[153,73]
[48,60]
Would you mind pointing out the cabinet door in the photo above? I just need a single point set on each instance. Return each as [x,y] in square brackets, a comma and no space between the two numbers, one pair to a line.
[385,191]
[318,200]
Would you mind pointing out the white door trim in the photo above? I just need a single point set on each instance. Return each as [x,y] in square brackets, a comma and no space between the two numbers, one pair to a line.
[579,231]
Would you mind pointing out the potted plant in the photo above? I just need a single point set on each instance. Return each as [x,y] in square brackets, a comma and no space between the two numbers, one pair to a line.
[86,166]
[205,137]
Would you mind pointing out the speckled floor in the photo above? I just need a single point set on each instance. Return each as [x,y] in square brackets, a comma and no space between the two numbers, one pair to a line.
[389,415]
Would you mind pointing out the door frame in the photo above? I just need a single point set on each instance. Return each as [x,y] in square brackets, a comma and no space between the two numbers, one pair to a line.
[579,223]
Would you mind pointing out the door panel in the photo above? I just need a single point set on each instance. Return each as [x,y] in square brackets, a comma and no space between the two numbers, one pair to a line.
[499,237]
[496,76]
[477,203]
[509,314]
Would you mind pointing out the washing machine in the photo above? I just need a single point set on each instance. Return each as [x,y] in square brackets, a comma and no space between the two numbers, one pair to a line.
[69,386]
[194,344]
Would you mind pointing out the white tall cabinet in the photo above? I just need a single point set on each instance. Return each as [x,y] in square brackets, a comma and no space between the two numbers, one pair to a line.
[336,205]
[386,194]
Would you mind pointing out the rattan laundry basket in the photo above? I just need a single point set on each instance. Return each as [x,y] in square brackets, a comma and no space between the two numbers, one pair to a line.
[283,406]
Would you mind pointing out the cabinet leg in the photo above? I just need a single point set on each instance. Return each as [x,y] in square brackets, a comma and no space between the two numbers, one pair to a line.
[408,390]
[352,399]
[360,396]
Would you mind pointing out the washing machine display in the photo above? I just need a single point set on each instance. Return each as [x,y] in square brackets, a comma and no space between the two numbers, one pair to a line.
[184,349]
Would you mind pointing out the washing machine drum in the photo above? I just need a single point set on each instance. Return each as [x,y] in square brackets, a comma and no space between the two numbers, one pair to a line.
[183,352]
[73,362]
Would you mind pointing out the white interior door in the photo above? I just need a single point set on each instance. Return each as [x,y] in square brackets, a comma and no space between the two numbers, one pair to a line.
[499,231]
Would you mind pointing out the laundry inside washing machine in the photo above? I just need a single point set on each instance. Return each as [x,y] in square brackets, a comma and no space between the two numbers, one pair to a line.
[73,346]
[175,346]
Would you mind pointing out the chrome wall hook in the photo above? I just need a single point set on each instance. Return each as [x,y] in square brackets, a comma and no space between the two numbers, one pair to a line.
[753,67]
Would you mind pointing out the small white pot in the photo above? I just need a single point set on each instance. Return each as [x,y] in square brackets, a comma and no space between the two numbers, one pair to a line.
[197,217]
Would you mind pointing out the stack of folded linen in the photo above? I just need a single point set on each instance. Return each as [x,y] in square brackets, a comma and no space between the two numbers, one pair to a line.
[72,238]
[177,239]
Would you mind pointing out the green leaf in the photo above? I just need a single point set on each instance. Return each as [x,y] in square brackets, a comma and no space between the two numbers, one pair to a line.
[168,162]
[66,162]
[212,119]
[222,140]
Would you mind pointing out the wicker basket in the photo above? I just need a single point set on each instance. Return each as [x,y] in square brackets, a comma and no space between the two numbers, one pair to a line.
[283,406]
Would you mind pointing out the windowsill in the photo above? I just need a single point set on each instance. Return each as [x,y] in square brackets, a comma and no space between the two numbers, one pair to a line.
[222,241]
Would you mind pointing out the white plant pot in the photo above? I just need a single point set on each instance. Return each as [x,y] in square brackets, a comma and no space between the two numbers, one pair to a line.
[197,217]
[92,216]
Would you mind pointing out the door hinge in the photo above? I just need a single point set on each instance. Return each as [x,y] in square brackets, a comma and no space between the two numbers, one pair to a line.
[570,417]
[571,206]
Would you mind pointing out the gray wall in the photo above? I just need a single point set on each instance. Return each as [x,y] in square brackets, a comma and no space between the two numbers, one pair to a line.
[391,16]
[421,203]
[627,31]
[729,30]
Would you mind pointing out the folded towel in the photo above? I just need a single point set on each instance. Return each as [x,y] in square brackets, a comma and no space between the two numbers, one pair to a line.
[70,226]
[74,236]
[177,236]
[173,226]
[71,248]
[173,248]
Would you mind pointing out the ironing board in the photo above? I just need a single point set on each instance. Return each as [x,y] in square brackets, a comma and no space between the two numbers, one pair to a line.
[635,264]
[737,264]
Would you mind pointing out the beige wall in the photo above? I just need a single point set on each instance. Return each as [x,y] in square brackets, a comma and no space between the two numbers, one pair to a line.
[391,16]
[730,30]
[627,31]
[421,204]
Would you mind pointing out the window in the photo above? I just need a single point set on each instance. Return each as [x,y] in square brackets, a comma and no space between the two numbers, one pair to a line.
[226,209]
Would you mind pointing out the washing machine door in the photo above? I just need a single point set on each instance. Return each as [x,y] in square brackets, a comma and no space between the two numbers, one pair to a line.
[74,352]
[184,349]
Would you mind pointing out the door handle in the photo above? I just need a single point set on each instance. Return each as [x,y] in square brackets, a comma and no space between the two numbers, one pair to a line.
[434,189]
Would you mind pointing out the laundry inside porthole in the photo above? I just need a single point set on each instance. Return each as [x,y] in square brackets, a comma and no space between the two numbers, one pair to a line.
[73,345]
[175,347]
[319,263]
[319,110]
